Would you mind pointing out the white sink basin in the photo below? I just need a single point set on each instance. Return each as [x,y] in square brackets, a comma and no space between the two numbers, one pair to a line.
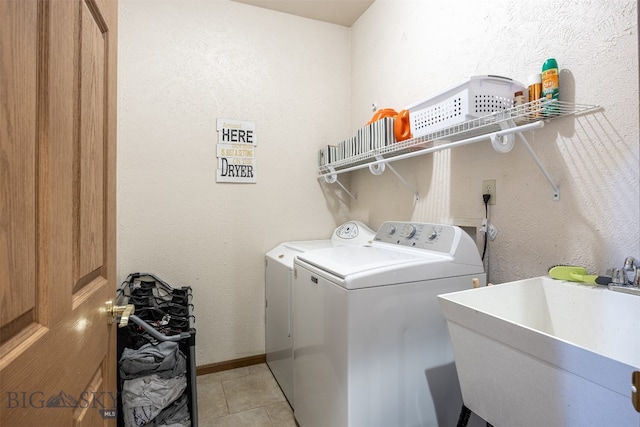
[546,352]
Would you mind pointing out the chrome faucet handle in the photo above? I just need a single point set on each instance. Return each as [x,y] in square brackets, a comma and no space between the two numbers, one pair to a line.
[632,268]
[630,262]
[618,276]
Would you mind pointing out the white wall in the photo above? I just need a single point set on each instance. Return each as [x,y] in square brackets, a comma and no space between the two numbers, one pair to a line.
[182,65]
[403,51]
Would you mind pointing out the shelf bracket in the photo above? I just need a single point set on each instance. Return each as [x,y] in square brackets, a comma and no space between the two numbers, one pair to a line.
[554,186]
[406,184]
[379,166]
[505,143]
[332,178]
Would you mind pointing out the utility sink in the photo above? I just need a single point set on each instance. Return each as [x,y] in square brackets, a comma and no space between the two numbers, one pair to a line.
[544,352]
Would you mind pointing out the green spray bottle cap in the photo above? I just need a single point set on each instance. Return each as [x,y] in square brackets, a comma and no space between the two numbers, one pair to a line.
[549,64]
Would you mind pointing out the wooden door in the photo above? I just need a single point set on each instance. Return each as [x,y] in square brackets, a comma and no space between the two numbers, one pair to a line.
[57,212]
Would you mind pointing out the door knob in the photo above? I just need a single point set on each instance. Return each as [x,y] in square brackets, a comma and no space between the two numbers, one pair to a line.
[635,390]
[121,311]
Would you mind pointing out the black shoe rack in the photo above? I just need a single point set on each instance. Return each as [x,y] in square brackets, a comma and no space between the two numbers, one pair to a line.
[162,313]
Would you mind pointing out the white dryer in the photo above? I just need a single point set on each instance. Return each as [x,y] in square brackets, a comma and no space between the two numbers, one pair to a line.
[278,296]
[371,346]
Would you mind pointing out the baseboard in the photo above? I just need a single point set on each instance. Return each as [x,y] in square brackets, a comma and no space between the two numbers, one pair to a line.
[231,364]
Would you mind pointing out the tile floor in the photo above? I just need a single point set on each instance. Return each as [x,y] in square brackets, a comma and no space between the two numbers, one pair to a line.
[241,397]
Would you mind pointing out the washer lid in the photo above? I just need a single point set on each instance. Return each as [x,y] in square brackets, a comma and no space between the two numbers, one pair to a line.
[344,261]
[308,245]
[286,252]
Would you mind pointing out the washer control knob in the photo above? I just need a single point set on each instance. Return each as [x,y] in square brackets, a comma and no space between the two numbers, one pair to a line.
[411,231]
[392,230]
[434,234]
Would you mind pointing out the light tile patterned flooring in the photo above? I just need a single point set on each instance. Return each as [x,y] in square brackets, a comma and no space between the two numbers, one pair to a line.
[240,397]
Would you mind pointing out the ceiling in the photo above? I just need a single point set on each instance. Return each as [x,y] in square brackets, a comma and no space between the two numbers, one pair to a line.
[340,12]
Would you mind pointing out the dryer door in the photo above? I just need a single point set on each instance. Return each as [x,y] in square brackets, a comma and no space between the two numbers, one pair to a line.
[278,324]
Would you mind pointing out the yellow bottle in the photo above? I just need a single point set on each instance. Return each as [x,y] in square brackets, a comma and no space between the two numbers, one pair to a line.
[535,93]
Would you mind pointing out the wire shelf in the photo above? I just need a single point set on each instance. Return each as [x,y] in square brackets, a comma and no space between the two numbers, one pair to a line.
[520,115]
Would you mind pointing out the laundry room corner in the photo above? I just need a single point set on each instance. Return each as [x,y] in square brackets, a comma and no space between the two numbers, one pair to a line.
[594,158]
[182,66]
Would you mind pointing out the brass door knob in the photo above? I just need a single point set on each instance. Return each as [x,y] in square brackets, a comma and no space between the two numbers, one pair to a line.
[635,390]
[121,311]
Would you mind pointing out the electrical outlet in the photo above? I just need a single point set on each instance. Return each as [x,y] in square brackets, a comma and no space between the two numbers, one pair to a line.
[492,232]
[489,187]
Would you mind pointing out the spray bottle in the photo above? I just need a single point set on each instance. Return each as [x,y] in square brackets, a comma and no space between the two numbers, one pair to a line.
[550,86]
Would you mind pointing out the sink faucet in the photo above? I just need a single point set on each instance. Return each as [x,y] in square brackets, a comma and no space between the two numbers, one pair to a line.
[631,266]
[627,278]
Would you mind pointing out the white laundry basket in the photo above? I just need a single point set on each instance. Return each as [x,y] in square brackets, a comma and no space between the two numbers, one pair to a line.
[475,97]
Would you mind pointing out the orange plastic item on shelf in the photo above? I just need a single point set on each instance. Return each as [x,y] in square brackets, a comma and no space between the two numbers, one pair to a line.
[381,114]
[402,126]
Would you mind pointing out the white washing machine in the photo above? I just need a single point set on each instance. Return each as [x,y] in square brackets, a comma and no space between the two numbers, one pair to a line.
[371,347]
[278,296]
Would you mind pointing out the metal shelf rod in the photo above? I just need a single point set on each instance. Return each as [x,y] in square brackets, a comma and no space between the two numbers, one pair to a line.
[449,145]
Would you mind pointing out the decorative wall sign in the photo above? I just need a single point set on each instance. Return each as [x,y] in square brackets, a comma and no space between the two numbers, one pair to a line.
[236,151]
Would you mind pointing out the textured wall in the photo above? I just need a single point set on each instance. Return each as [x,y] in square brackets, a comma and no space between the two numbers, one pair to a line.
[403,51]
[182,65]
